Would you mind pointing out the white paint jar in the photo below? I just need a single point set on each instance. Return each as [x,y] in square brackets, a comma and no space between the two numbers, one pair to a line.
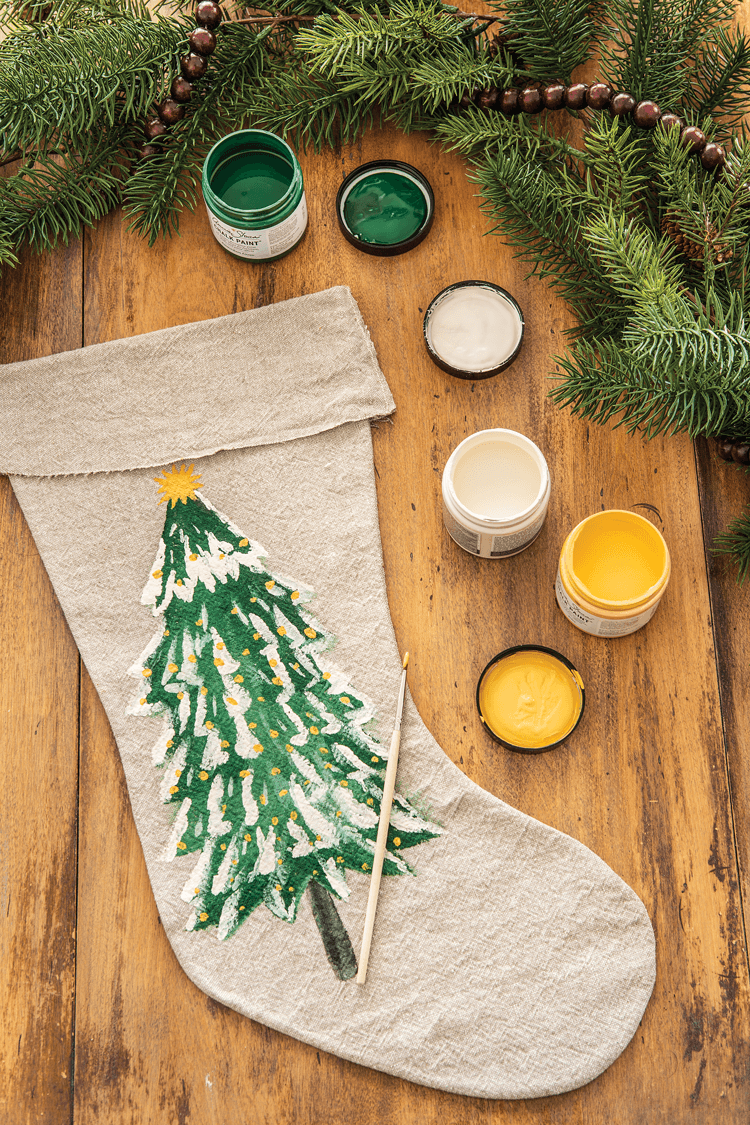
[496,488]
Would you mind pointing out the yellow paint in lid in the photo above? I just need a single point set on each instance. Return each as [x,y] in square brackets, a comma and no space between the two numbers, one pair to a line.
[530,698]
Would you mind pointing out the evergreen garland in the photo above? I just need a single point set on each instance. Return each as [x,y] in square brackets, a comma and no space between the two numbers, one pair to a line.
[649,248]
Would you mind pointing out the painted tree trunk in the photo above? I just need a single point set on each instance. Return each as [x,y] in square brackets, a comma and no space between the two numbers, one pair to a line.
[336,940]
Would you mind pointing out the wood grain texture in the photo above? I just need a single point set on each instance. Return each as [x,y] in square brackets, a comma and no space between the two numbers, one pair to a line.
[645,781]
[39,680]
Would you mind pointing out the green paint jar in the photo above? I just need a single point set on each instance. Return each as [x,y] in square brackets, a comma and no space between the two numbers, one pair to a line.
[255,197]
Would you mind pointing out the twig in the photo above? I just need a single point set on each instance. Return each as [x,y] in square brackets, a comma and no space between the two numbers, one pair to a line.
[311,19]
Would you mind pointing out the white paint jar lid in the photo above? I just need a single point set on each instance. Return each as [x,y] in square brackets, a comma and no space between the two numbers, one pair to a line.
[473,329]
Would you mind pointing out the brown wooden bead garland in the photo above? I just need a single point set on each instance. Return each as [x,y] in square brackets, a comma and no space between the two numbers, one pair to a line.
[181,89]
[647,115]
[598,95]
[208,14]
[509,100]
[202,43]
[733,449]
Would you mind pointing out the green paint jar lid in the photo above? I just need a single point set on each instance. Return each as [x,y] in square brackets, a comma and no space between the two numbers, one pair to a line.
[385,207]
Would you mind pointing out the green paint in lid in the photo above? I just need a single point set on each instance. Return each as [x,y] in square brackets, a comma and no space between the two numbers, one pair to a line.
[385,207]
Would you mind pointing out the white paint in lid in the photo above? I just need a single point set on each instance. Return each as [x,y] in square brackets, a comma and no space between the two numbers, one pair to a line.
[496,480]
[474,328]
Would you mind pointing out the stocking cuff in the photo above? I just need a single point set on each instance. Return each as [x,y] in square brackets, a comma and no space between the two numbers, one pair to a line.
[254,378]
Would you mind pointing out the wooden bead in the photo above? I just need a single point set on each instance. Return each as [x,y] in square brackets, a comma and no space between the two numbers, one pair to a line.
[712,156]
[575,96]
[693,138]
[621,103]
[171,111]
[193,66]
[208,14]
[741,452]
[509,100]
[489,98]
[181,90]
[671,121]
[647,114]
[724,448]
[202,41]
[553,96]
[530,99]
[154,127]
[599,95]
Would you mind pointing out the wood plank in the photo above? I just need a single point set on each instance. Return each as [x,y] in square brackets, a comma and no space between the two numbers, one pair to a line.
[725,495]
[39,684]
[643,782]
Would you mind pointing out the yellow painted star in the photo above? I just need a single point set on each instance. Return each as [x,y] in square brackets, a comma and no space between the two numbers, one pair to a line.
[178,484]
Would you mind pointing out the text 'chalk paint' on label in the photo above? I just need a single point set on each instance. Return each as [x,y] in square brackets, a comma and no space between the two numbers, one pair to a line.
[261,244]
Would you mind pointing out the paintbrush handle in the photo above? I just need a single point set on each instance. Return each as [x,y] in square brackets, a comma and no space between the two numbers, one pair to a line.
[382,839]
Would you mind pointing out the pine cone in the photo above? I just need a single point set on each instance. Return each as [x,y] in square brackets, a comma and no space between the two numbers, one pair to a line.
[684,244]
[720,251]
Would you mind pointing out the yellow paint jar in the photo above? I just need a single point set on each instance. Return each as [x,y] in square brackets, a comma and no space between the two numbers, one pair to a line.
[614,568]
[530,698]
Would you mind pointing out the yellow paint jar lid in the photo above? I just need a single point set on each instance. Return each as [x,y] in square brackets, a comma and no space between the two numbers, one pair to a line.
[530,698]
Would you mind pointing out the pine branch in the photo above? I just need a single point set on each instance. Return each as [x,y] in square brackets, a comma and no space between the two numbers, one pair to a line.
[409,61]
[533,188]
[617,171]
[61,80]
[309,110]
[720,80]
[684,391]
[55,193]
[735,542]
[646,47]
[552,38]
[640,269]
[162,186]
[711,211]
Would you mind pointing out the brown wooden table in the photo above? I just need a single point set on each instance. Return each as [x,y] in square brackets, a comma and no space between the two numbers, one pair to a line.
[99,1024]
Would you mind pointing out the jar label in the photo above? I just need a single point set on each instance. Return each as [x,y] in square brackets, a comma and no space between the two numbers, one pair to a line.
[512,544]
[488,546]
[465,538]
[599,626]
[259,245]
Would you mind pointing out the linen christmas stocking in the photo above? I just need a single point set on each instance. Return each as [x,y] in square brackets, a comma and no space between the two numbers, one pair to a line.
[243,650]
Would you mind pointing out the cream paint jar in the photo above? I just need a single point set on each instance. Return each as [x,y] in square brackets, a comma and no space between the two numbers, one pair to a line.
[496,488]
[613,570]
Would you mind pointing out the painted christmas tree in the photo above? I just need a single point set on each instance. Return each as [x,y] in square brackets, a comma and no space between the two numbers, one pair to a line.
[266,754]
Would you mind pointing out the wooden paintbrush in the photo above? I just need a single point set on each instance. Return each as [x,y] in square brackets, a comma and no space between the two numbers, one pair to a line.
[385,819]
